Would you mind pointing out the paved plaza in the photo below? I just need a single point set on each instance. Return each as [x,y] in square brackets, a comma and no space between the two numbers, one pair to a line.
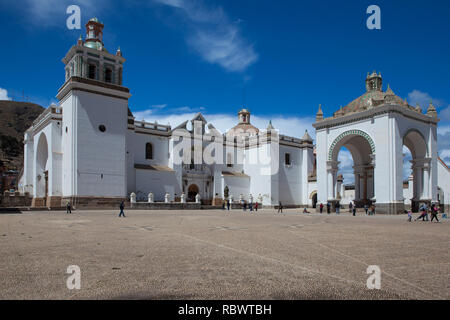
[215,254]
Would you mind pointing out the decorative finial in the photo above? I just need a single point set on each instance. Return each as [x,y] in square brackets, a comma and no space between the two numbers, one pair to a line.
[118,52]
[319,114]
[306,136]
[432,110]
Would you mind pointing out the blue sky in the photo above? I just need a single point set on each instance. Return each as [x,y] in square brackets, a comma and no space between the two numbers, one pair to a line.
[282,58]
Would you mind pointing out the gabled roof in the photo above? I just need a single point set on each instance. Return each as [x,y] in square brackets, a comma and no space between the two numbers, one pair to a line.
[199,117]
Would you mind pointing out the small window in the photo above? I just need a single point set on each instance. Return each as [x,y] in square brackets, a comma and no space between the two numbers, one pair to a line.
[149,151]
[92,71]
[108,75]
[102,128]
[287,159]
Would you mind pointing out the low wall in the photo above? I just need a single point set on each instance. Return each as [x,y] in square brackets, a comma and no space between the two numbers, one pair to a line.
[16,199]
[164,206]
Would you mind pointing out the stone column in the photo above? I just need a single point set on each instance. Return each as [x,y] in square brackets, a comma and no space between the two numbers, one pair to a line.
[330,184]
[365,184]
[332,178]
[426,182]
[357,178]
[419,182]
[372,157]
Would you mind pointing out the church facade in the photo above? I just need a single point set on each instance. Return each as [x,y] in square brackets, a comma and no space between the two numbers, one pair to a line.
[90,150]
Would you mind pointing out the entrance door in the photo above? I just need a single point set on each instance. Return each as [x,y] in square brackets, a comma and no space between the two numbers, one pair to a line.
[192,192]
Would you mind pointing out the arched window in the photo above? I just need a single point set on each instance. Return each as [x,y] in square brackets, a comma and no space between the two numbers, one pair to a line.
[148,151]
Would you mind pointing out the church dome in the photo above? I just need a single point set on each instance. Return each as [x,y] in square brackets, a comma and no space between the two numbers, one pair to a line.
[244,127]
[373,97]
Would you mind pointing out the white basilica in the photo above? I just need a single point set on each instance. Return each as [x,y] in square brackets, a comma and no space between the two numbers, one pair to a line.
[91,151]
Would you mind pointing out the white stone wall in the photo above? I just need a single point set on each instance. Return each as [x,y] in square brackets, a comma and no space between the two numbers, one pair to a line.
[444,183]
[94,161]
[136,153]
[158,182]
[290,176]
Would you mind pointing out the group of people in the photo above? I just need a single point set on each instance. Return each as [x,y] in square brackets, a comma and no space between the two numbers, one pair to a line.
[424,210]
[251,206]
[370,210]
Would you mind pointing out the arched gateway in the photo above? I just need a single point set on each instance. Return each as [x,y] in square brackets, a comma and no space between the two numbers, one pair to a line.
[374,128]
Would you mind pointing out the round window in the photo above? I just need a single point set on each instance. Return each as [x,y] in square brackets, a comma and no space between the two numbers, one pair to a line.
[102,128]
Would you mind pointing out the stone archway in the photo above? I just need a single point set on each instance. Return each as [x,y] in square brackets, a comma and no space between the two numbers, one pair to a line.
[378,119]
[193,190]
[420,166]
[362,149]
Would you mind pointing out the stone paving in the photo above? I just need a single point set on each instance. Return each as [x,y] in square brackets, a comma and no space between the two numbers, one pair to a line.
[215,254]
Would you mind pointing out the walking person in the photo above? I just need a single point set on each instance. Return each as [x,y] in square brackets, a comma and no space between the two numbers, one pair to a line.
[409,216]
[228,204]
[321,207]
[366,207]
[338,207]
[121,207]
[68,207]
[434,213]
[244,205]
[422,214]
[350,207]
[354,211]
[256,206]
[250,205]
[328,208]
[280,207]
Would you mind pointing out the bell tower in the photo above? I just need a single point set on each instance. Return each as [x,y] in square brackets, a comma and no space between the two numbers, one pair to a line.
[244,116]
[95,107]
[374,82]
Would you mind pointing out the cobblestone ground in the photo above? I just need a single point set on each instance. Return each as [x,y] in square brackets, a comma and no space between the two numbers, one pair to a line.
[215,254]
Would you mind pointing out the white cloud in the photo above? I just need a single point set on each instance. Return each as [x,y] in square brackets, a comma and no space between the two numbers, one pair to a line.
[4,94]
[444,114]
[214,36]
[423,99]
[346,166]
[445,155]
[419,97]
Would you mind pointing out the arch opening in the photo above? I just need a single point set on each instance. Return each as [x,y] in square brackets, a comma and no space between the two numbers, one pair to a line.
[192,192]
[351,169]
[42,167]
[416,170]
